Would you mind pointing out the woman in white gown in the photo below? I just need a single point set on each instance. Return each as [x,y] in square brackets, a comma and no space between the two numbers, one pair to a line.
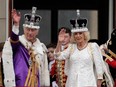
[84,58]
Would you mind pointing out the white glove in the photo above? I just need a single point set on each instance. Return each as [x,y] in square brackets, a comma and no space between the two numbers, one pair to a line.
[54,84]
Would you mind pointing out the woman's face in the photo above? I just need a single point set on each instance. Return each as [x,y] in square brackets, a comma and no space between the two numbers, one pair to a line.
[79,37]
[30,34]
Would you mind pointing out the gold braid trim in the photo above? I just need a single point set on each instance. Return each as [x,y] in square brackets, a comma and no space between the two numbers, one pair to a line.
[32,80]
[12,41]
[112,53]
[107,57]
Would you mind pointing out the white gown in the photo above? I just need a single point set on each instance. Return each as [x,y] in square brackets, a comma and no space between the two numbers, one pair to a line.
[82,65]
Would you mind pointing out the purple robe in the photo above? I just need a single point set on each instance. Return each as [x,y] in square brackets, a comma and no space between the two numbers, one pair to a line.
[20,61]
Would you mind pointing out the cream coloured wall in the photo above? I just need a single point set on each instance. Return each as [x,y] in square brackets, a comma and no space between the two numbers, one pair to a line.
[2,20]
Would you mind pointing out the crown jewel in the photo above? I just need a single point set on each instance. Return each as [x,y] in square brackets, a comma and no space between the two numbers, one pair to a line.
[32,20]
[79,24]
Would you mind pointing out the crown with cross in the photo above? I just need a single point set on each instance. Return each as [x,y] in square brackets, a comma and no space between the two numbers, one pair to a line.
[79,24]
[32,19]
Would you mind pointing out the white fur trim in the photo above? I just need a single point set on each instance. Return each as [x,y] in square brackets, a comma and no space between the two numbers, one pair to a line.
[41,56]
[8,69]
[79,30]
[31,26]
[15,29]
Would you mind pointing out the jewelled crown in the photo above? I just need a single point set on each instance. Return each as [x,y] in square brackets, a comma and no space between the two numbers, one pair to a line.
[32,19]
[79,24]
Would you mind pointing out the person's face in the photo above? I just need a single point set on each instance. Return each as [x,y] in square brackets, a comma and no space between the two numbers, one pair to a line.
[30,34]
[79,37]
[66,39]
[51,53]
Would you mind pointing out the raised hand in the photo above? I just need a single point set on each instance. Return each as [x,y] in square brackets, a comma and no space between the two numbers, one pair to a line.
[61,36]
[16,16]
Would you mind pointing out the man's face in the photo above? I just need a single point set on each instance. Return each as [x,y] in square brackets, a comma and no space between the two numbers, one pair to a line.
[66,39]
[30,34]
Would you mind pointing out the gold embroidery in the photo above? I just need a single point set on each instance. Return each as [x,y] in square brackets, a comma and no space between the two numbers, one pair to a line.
[31,79]
[112,53]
